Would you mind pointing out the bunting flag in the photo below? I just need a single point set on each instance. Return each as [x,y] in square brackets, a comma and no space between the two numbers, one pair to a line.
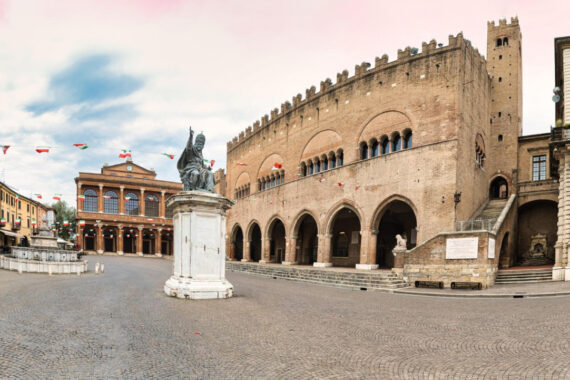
[5,148]
[66,223]
[241,164]
[276,167]
[57,197]
[150,220]
[125,153]
[39,196]
[33,222]
[127,199]
[82,223]
[17,196]
[2,220]
[340,184]
[322,180]
[42,149]
[107,196]
[234,200]
[82,146]
[81,197]
[18,221]
[212,162]
[300,175]
[356,187]
[171,156]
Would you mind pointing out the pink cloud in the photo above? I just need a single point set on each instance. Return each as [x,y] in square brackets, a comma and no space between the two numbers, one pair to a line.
[3,8]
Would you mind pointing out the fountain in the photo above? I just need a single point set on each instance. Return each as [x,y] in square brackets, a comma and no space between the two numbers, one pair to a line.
[43,256]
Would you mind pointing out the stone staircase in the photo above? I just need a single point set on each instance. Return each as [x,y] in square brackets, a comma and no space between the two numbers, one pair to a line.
[349,278]
[523,276]
[486,219]
[493,209]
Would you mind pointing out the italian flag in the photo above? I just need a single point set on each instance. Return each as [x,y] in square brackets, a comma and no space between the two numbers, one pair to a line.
[300,175]
[81,197]
[3,220]
[17,197]
[82,223]
[66,223]
[322,180]
[150,220]
[127,199]
[241,164]
[39,196]
[18,221]
[42,149]
[81,146]
[276,167]
[5,148]
[33,222]
[212,162]
[171,156]
[107,196]
[57,197]
[340,184]
[125,153]
[356,187]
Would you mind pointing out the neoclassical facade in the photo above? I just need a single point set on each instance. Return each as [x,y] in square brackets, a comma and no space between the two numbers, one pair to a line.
[428,146]
[122,210]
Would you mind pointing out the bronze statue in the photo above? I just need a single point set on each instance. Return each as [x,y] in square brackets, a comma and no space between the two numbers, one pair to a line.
[194,173]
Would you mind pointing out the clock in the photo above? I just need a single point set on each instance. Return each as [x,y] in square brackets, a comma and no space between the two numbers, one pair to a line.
[129,168]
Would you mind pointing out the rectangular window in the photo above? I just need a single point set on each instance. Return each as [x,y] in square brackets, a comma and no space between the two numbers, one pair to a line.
[28,207]
[539,167]
[19,205]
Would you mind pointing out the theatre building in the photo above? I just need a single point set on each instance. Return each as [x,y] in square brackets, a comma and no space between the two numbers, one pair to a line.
[122,210]
[428,146]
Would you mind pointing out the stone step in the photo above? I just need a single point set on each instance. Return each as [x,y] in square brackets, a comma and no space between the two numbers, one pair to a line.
[524,272]
[520,282]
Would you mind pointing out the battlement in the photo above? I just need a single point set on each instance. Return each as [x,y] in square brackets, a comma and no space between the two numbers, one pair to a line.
[361,70]
[502,23]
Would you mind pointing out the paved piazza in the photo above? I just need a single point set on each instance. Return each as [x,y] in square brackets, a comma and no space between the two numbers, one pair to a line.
[121,325]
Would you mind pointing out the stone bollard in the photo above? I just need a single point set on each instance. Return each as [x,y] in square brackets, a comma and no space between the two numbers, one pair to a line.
[102,267]
[97,268]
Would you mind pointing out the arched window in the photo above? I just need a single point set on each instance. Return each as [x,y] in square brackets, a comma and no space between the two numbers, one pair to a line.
[131,204]
[90,202]
[111,202]
[340,158]
[317,165]
[332,160]
[506,41]
[408,140]
[325,162]
[151,205]
[499,42]
[396,143]
[258,185]
[311,169]
[363,151]
[385,145]
[303,169]
[374,148]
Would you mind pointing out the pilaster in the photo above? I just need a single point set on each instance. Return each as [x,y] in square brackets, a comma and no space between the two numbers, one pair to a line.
[324,254]
[139,241]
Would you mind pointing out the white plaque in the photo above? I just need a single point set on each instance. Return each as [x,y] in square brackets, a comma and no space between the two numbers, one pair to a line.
[461,248]
[491,248]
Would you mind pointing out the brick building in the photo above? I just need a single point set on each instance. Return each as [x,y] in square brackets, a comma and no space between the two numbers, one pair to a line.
[20,217]
[428,146]
[123,211]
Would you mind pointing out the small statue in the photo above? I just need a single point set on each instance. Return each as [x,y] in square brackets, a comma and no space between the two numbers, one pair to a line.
[400,242]
[194,173]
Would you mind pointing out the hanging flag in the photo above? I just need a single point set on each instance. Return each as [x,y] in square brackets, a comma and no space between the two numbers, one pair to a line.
[82,223]
[33,222]
[241,164]
[57,197]
[107,196]
[276,167]
[127,199]
[322,180]
[81,197]
[65,222]
[356,187]
[171,156]
[17,196]
[5,148]
[18,221]
[150,219]
[39,196]
[81,146]
[42,149]
[2,220]
[340,184]
[125,153]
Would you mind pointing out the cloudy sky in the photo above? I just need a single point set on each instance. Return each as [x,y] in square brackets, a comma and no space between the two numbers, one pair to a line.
[134,74]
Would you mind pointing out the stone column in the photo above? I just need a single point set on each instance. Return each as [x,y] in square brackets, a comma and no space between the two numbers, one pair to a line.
[367,246]
[324,255]
[139,242]
[79,203]
[265,250]
[162,207]
[100,199]
[142,205]
[80,237]
[122,201]
[120,242]
[157,240]
[232,250]
[560,271]
[246,250]
[290,258]
[99,240]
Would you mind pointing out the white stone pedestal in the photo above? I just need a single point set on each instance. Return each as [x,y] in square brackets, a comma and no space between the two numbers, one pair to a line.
[199,246]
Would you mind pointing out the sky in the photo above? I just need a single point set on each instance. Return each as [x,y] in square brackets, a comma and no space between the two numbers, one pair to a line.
[135,74]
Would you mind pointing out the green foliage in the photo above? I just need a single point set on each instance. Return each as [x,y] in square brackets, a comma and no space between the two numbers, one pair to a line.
[64,212]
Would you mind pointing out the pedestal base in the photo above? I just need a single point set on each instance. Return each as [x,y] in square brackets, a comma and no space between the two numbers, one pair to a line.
[322,265]
[139,253]
[99,251]
[197,289]
[120,253]
[366,266]
[245,261]
[289,263]
[158,254]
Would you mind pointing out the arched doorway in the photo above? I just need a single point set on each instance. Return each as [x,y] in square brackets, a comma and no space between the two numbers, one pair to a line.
[307,240]
[89,238]
[504,247]
[499,188]
[537,232]
[148,242]
[237,243]
[166,242]
[397,218]
[110,239]
[276,233]
[129,240]
[255,243]
[345,243]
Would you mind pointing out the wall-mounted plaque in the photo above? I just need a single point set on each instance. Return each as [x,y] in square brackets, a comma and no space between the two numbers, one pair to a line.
[461,248]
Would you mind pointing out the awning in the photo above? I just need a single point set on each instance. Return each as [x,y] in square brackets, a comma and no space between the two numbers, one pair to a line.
[10,233]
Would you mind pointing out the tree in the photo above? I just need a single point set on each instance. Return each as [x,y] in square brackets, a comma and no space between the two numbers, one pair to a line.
[64,213]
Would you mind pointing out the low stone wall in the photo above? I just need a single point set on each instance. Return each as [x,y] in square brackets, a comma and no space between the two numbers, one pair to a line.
[44,254]
[35,266]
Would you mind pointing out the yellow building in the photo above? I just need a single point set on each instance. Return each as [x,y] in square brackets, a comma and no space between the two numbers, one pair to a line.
[20,217]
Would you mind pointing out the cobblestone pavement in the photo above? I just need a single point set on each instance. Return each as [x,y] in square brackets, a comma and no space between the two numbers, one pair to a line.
[121,325]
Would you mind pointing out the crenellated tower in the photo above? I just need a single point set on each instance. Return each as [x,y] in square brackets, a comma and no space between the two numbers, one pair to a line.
[504,63]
